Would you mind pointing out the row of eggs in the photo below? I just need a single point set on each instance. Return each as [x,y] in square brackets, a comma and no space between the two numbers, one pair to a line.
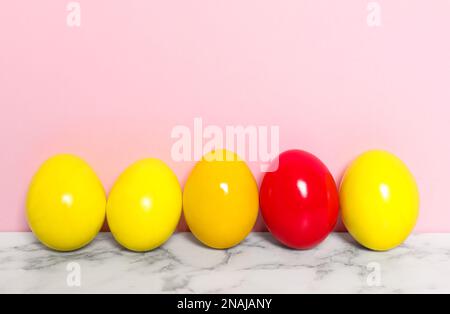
[299,201]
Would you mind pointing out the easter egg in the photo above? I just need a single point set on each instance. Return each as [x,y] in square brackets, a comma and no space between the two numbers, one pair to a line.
[66,203]
[221,200]
[299,200]
[144,206]
[379,200]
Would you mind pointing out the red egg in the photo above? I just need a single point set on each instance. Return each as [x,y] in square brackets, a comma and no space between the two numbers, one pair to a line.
[299,201]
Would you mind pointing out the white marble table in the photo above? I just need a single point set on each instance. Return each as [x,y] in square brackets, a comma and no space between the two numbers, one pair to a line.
[259,265]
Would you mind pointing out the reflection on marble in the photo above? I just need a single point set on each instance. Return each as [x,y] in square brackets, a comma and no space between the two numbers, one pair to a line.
[259,265]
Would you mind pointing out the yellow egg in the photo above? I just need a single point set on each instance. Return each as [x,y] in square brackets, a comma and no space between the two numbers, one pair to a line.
[221,200]
[66,203]
[144,206]
[380,200]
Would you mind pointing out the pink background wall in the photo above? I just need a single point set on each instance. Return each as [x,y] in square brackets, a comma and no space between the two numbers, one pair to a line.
[112,90]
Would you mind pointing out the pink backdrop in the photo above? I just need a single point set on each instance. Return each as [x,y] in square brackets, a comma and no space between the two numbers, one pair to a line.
[112,90]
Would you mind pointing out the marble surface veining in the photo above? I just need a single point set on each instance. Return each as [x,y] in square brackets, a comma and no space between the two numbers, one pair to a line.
[259,265]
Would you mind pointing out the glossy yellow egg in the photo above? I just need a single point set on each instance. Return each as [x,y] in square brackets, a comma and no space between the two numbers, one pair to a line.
[380,200]
[144,206]
[66,203]
[221,200]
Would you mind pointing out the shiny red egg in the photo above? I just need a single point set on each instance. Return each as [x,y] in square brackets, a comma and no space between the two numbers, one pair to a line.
[299,200]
